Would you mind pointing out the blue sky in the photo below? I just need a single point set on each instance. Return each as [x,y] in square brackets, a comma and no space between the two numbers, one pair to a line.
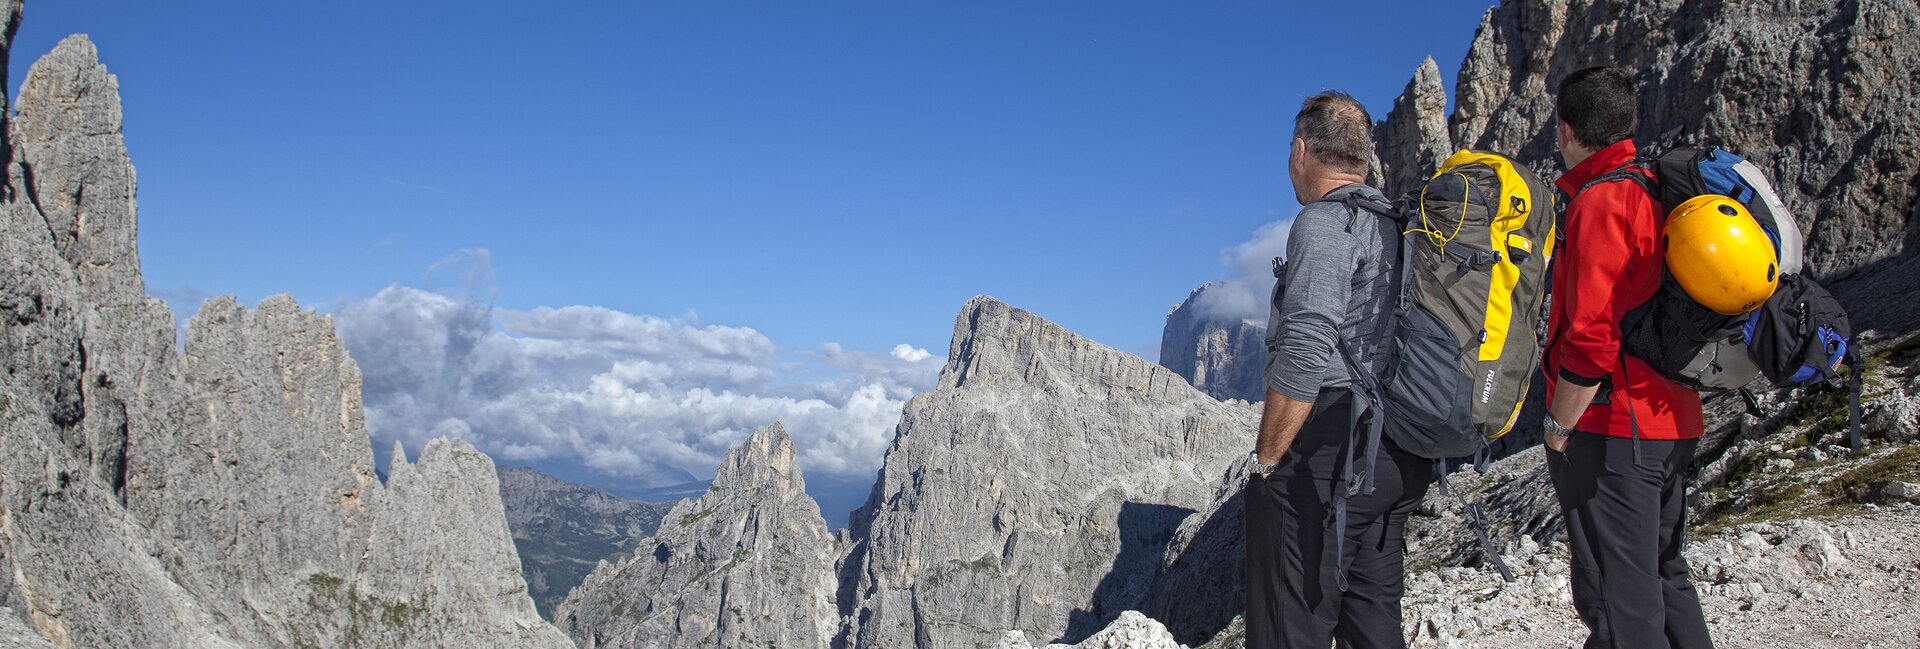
[816,172]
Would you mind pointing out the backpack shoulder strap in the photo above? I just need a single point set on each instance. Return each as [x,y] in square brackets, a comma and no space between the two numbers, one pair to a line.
[1357,202]
[1639,171]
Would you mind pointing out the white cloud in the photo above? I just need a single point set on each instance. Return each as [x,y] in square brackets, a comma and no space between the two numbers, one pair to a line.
[1245,295]
[619,393]
[909,353]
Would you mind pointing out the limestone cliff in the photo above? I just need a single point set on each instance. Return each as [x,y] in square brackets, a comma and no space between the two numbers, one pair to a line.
[1223,358]
[1413,138]
[224,497]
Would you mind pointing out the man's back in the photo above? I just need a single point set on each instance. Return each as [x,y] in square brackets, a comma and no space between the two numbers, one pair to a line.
[1611,263]
[1337,291]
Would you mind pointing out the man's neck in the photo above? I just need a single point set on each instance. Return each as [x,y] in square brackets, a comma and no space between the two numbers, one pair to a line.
[1319,188]
[1574,154]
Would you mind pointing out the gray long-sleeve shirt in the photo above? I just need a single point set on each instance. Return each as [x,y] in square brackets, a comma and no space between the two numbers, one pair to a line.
[1338,286]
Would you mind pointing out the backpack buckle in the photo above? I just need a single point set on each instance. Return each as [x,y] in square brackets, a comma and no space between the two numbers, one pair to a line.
[1482,260]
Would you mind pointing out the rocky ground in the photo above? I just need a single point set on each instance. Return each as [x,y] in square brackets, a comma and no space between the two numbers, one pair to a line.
[1797,584]
[1853,581]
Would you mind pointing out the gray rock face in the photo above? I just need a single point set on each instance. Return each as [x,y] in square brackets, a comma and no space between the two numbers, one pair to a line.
[562,530]
[1413,140]
[749,564]
[1035,489]
[16,635]
[1223,359]
[221,498]
[1199,588]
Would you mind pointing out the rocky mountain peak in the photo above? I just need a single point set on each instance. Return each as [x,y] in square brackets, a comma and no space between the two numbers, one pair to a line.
[995,344]
[750,563]
[1415,131]
[1036,488]
[764,461]
[1221,356]
[75,166]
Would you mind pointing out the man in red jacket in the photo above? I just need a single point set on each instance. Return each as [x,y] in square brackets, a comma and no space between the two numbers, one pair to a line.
[1619,435]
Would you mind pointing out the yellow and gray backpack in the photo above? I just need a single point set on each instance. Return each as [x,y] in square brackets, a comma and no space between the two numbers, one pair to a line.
[1469,322]
[1475,245]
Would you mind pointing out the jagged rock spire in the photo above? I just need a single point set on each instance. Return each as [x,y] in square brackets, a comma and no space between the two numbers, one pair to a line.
[1413,140]
[748,564]
[221,499]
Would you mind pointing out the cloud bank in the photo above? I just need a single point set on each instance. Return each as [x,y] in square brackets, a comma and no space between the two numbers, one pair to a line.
[1244,296]
[619,393]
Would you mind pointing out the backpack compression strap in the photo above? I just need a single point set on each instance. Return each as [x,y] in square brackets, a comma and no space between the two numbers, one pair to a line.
[1366,395]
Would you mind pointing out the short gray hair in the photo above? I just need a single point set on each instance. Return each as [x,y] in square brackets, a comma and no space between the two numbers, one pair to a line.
[1337,130]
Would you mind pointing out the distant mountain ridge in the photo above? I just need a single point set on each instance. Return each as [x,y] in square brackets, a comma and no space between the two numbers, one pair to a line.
[563,529]
[1038,486]
[1222,356]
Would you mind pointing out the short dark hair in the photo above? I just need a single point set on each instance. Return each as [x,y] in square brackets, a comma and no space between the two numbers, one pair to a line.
[1599,104]
[1337,130]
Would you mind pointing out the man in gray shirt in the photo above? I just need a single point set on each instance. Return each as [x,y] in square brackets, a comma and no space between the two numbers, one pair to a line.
[1329,311]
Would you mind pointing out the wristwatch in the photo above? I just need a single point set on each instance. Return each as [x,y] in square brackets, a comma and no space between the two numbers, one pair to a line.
[1552,428]
[1255,467]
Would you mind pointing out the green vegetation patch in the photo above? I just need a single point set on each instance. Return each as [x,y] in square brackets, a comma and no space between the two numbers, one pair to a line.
[332,596]
[1799,496]
[1864,484]
[696,517]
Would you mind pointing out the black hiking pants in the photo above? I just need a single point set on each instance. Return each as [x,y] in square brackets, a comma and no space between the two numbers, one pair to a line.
[1626,514]
[1293,601]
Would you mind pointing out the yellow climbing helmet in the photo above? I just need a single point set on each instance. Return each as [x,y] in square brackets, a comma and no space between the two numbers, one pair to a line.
[1719,254]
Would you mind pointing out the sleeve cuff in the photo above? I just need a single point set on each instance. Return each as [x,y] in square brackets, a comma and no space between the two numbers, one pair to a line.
[1293,392]
[1580,379]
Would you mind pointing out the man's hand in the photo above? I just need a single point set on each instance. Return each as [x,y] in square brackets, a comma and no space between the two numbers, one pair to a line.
[1280,422]
[1569,402]
[1556,442]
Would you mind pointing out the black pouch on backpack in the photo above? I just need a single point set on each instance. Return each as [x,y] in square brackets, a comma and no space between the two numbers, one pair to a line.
[1801,335]
[1688,343]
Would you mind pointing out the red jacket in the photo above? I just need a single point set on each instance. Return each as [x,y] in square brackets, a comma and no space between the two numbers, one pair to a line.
[1611,262]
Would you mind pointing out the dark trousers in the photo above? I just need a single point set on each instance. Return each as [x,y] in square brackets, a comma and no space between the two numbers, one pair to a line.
[1292,599]
[1626,514]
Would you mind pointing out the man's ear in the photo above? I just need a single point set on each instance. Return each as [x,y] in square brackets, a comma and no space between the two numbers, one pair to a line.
[1300,148]
[1566,134]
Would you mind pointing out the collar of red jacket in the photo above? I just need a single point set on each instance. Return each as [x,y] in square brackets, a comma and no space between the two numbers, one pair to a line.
[1600,162]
